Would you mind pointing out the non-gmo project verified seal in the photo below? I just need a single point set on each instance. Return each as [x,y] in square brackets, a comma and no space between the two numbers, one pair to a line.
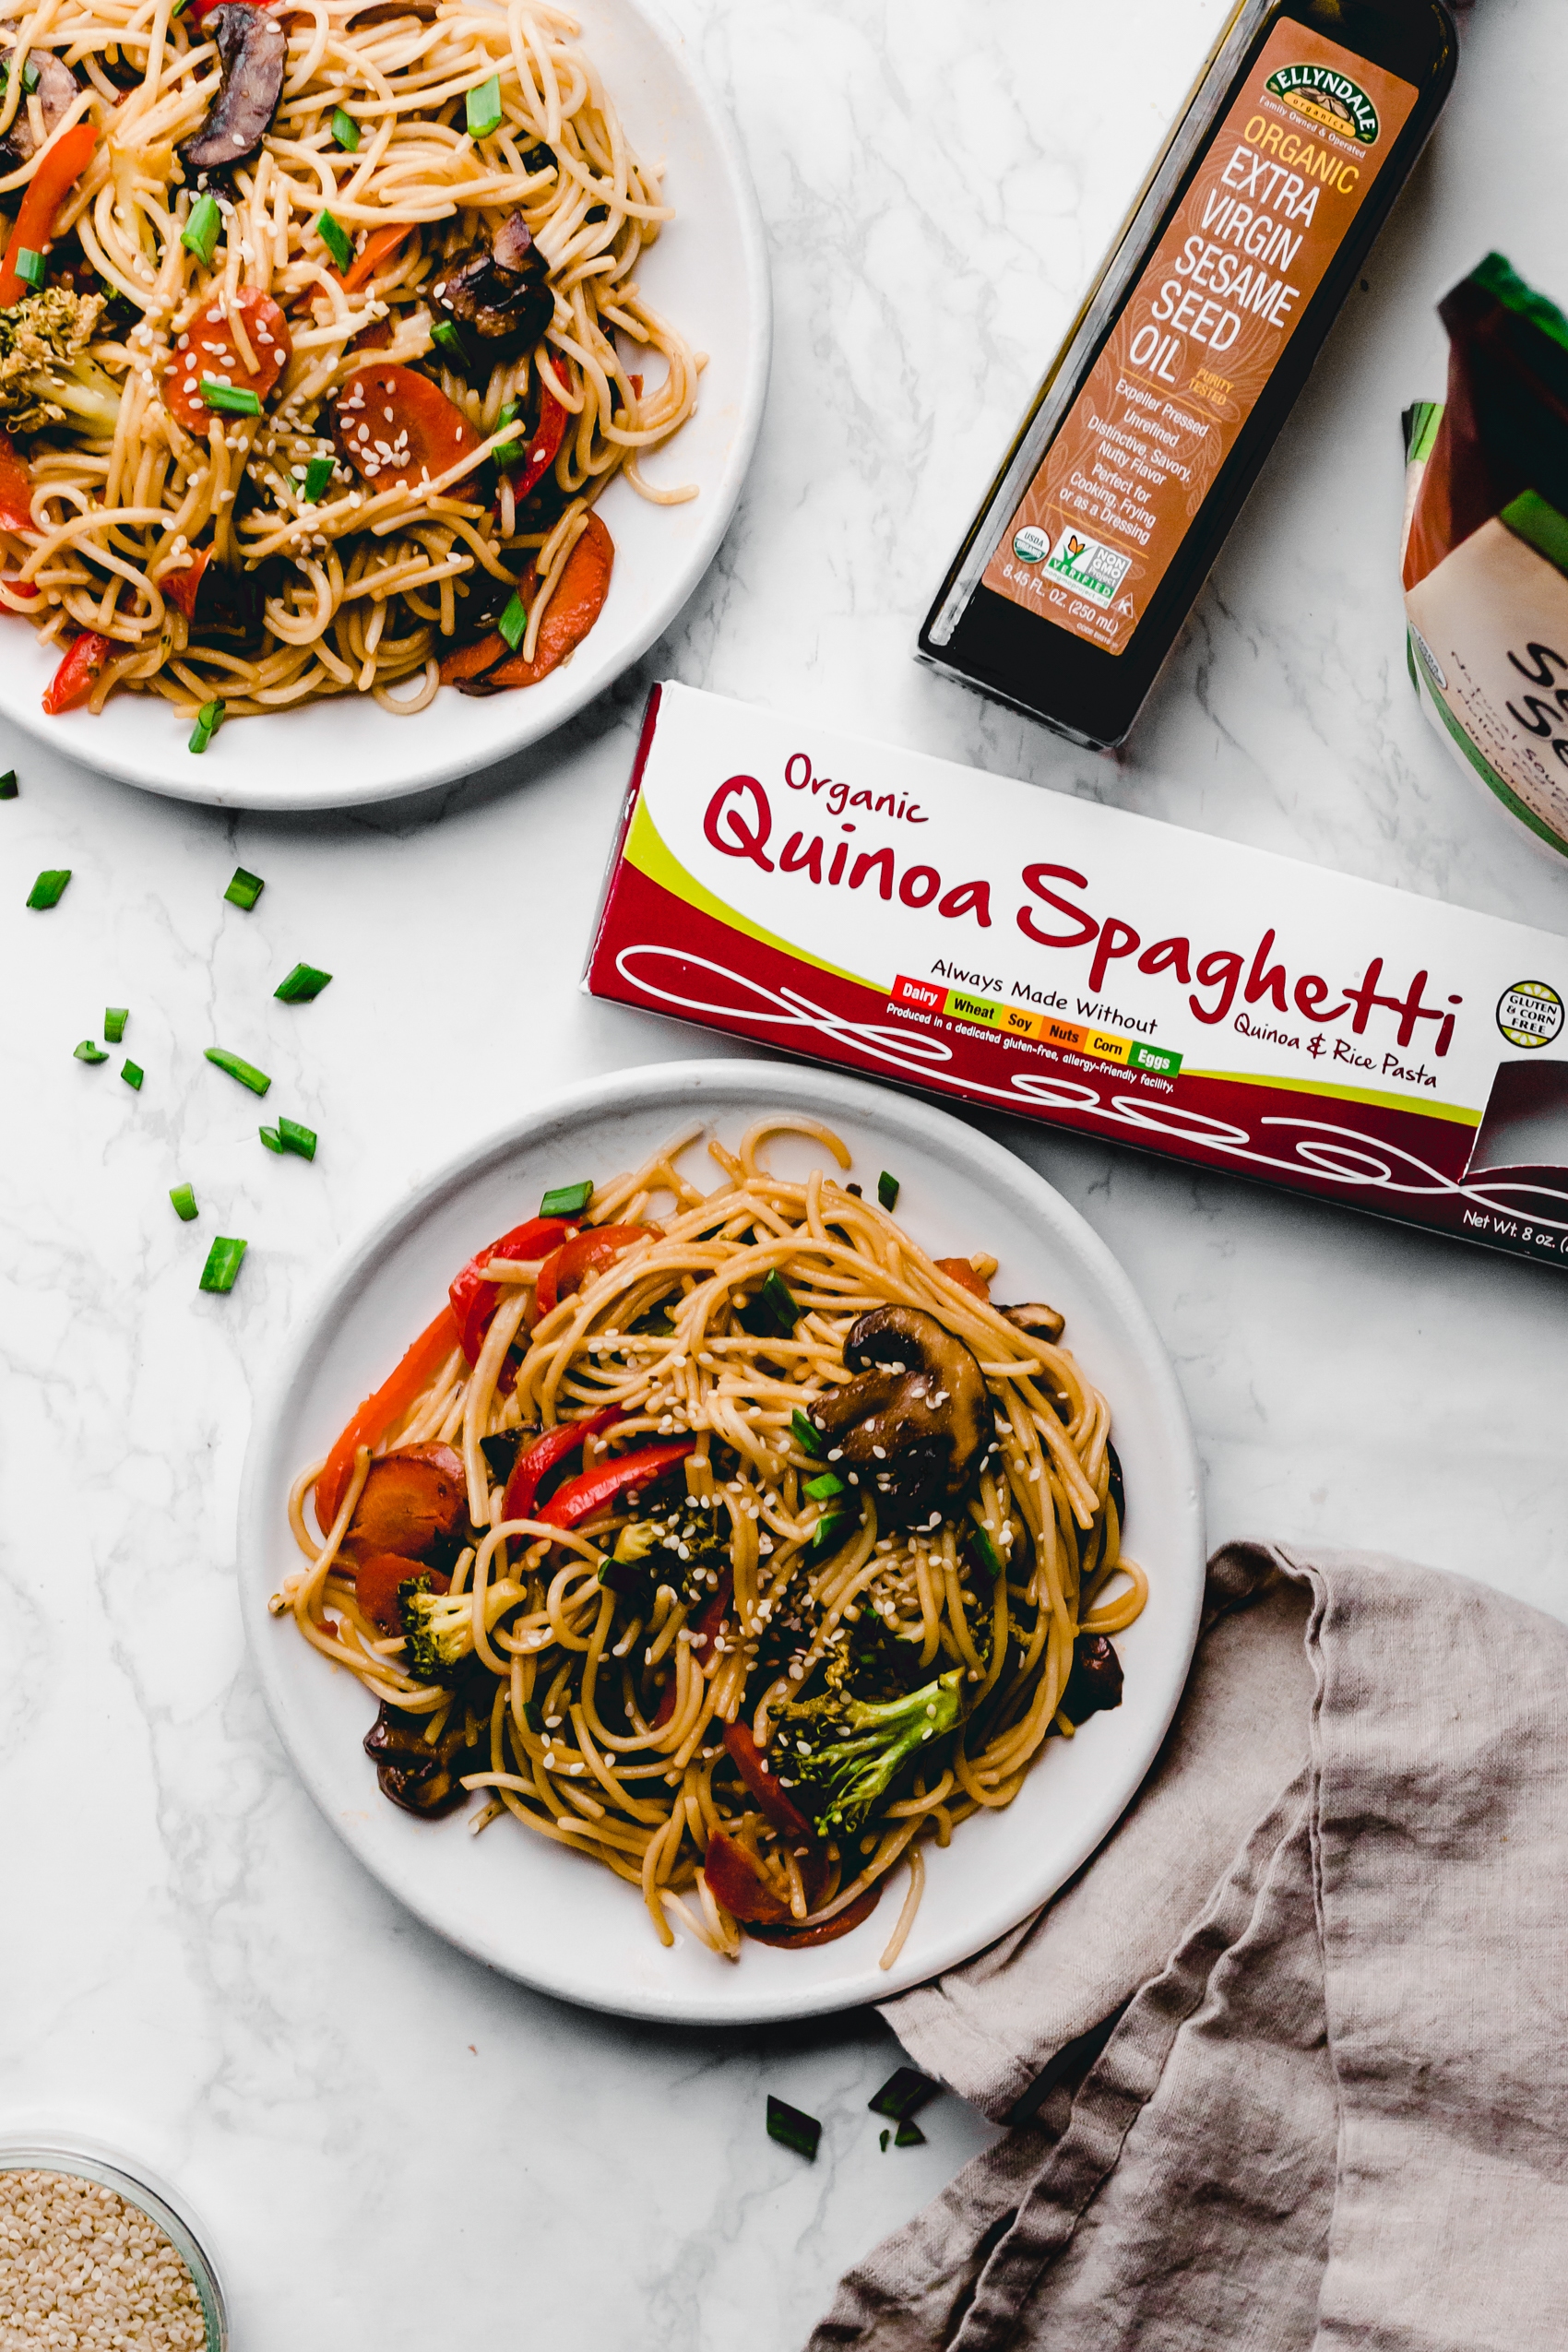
[1088,565]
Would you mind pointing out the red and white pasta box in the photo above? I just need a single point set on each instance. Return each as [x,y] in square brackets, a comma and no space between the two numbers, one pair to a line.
[985,939]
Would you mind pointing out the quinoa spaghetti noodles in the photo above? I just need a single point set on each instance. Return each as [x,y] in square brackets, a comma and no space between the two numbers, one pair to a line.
[729,1538]
[320,339]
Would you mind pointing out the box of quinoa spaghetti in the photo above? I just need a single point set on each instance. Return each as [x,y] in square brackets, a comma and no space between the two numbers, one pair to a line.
[1003,946]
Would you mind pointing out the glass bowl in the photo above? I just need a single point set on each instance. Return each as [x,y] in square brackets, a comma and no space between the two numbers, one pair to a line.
[84,2160]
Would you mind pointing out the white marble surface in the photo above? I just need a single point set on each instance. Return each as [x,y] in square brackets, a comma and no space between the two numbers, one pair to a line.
[393,2147]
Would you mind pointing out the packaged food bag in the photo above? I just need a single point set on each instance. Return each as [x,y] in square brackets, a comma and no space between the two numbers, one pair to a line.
[1485,555]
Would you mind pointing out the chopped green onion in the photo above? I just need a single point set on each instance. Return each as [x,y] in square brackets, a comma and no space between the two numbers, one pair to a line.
[303,985]
[50,888]
[199,234]
[775,1311]
[506,453]
[115,1019]
[30,267]
[823,1488]
[30,76]
[533,1716]
[792,2128]
[807,1436]
[223,1262]
[178,9]
[234,399]
[888,1190]
[246,1071]
[908,2135]
[985,1551]
[484,108]
[445,337]
[87,1052]
[318,473]
[133,1073]
[336,238]
[566,1200]
[540,159]
[300,1140]
[512,623]
[271,1138]
[244,890]
[834,1528]
[882,2139]
[903,2094]
[184,1202]
[209,717]
[345,130]
[9,788]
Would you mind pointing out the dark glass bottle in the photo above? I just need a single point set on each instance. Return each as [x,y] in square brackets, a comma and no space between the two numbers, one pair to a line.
[1158,410]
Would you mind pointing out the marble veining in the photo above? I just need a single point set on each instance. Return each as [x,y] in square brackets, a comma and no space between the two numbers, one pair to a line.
[392,2146]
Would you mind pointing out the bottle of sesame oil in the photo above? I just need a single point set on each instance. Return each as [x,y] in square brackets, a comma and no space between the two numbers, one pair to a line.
[1157,412]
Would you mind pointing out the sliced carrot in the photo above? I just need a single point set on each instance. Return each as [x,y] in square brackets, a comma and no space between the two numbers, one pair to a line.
[735,1879]
[473,660]
[828,1931]
[397,428]
[16,489]
[208,347]
[573,610]
[379,246]
[377,1583]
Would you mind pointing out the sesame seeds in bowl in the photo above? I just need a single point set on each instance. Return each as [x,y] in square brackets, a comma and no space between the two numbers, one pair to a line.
[97,2258]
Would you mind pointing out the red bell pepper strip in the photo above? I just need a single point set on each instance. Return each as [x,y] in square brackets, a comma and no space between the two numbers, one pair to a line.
[16,492]
[585,1255]
[545,446]
[78,674]
[57,173]
[474,1300]
[735,1879]
[753,1767]
[796,1939]
[535,1462]
[376,1415]
[581,1497]
[179,587]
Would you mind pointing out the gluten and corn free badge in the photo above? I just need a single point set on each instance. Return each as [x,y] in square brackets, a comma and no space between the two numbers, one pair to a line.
[988,940]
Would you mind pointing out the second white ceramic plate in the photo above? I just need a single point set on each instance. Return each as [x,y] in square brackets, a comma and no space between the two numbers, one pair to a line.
[708,274]
[552,1917]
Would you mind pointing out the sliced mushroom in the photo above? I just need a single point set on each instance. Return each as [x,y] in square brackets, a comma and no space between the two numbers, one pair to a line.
[57,91]
[252,49]
[915,1423]
[1095,1682]
[496,296]
[386,12]
[420,1774]
[1039,1322]
[414,1502]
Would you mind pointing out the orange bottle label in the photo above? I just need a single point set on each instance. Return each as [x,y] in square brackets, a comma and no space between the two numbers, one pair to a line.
[1282,179]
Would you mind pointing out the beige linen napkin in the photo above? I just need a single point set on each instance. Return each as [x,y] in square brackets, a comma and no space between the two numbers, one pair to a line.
[1286,2064]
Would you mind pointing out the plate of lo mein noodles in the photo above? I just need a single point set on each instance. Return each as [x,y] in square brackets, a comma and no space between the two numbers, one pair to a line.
[377,378]
[714,1558]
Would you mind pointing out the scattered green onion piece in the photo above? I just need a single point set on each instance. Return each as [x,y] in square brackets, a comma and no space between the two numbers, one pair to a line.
[345,130]
[985,1551]
[506,453]
[903,2094]
[87,1052]
[301,986]
[540,159]
[806,1435]
[237,1067]
[566,1200]
[908,2135]
[115,1019]
[244,890]
[300,1140]
[882,2139]
[184,1202]
[792,2128]
[9,788]
[888,1190]
[271,1138]
[533,1716]
[318,474]
[224,1263]
[30,267]
[178,9]
[774,1312]
[133,1073]
[50,888]
[336,238]
[512,623]
[832,1530]
[823,1488]
[209,717]
[234,400]
[199,234]
[445,337]
[30,76]
[484,108]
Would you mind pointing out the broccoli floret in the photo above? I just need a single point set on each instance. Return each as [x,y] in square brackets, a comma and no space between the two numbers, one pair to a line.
[836,1781]
[47,375]
[438,1628]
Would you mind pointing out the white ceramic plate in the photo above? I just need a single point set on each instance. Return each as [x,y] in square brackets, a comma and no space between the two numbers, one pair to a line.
[556,1919]
[708,274]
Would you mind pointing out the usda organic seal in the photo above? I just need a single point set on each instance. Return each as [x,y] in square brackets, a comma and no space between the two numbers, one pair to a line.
[1031,545]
